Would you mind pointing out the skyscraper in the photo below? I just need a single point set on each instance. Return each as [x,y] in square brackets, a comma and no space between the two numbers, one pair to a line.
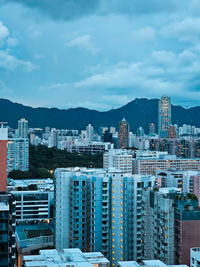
[23,128]
[152,128]
[100,210]
[3,157]
[90,131]
[123,135]
[171,225]
[164,116]
[172,132]
[18,154]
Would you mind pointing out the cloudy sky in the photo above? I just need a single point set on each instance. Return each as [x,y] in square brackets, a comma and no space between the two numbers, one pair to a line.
[99,54]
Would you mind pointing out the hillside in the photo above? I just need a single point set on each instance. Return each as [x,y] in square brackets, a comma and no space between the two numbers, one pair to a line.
[139,112]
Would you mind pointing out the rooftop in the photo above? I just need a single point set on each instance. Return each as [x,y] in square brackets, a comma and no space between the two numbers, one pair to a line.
[73,257]
[31,231]
[150,263]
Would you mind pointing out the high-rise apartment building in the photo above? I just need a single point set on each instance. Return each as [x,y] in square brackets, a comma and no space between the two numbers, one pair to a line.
[171,223]
[164,116]
[100,210]
[18,154]
[140,132]
[53,138]
[151,128]
[123,135]
[172,132]
[90,131]
[23,128]
[7,230]
[3,157]
[119,159]
[187,181]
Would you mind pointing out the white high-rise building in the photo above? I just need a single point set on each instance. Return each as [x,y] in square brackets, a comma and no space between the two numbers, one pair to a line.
[100,210]
[23,128]
[18,154]
[90,131]
[120,159]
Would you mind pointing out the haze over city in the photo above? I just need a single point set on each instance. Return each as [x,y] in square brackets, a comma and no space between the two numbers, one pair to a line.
[99,54]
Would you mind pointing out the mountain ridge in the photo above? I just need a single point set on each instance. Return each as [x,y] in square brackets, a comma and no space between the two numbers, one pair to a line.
[139,112]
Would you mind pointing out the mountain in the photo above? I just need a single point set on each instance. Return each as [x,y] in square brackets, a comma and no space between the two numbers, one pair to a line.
[139,112]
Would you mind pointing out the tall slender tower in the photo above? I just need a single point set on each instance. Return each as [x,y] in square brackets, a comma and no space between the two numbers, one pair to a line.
[123,136]
[3,157]
[164,116]
[23,128]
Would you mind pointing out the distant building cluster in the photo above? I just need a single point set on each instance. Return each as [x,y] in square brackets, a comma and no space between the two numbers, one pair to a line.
[141,209]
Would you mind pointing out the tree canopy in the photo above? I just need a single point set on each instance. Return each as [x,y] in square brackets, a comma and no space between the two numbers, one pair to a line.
[44,160]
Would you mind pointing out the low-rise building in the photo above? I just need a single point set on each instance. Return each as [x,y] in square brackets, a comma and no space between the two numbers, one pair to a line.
[90,147]
[32,237]
[73,257]
[34,199]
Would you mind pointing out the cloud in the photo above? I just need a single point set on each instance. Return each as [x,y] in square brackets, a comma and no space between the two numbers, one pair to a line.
[53,86]
[10,62]
[187,30]
[146,34]
[11,41]
[83,42]
[73,9]
[61,9]
[163,57]
[38,56]
[123,80]
[138,7]
[34,33]
[4,33]
[176,74]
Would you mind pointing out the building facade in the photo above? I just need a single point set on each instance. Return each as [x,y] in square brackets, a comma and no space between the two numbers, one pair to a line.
[7,230]
[23,128]
[18,154]
[100,210]
[119,159]
[171,223]
[123,135]
[3,157]
[164,116]
[152,166]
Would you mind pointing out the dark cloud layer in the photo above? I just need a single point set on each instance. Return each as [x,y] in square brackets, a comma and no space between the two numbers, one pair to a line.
[61,9]
[71,9]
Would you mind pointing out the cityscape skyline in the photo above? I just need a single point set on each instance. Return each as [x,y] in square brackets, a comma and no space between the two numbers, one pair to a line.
[99,133]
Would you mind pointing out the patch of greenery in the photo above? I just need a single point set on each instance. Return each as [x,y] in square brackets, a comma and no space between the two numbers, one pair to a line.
[44,160]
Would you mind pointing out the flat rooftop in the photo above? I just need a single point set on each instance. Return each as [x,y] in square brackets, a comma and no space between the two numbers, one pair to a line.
[149,263]
[35,230]
[71,257]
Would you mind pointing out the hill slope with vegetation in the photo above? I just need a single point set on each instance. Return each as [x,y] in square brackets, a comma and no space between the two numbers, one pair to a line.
[44,160]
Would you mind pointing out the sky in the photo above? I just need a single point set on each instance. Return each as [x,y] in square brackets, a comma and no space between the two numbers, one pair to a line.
[99,54]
